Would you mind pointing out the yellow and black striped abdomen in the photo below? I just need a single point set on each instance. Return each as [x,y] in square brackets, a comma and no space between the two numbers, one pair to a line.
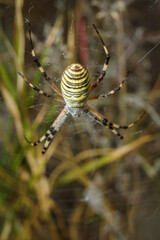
[75,85]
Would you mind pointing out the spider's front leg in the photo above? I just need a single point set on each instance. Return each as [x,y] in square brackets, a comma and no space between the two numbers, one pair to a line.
[104,121]
[51,132]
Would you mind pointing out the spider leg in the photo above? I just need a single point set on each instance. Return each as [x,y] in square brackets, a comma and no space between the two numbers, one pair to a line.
[40,91]
[101,77]
[101,120]
[46,77]
[129,125]
[57,124]
[104,121]
[110,92]
[51,132]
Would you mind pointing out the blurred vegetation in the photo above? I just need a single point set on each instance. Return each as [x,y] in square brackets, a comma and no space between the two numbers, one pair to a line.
[89,185]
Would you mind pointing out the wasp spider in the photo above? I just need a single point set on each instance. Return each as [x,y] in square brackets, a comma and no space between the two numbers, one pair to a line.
[75,89]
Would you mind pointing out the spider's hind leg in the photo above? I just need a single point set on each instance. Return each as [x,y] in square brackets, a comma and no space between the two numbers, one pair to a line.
[44,74]
[105,66]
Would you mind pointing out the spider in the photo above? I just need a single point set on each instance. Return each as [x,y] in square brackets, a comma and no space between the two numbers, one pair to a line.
[75,89]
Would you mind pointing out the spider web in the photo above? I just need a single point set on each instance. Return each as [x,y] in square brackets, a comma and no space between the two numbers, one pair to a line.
[122,198]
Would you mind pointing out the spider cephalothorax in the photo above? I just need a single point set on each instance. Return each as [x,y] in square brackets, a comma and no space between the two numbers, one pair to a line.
[75,90]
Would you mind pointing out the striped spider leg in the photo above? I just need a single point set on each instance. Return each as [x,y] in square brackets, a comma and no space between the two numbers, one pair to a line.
[104,121]
[94,114]
[51,132]
[104,72]
[101,77]
[110,92]
[41,92]
[44,74]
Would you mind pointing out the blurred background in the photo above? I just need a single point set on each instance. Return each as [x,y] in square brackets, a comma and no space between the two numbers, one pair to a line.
[89,184]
